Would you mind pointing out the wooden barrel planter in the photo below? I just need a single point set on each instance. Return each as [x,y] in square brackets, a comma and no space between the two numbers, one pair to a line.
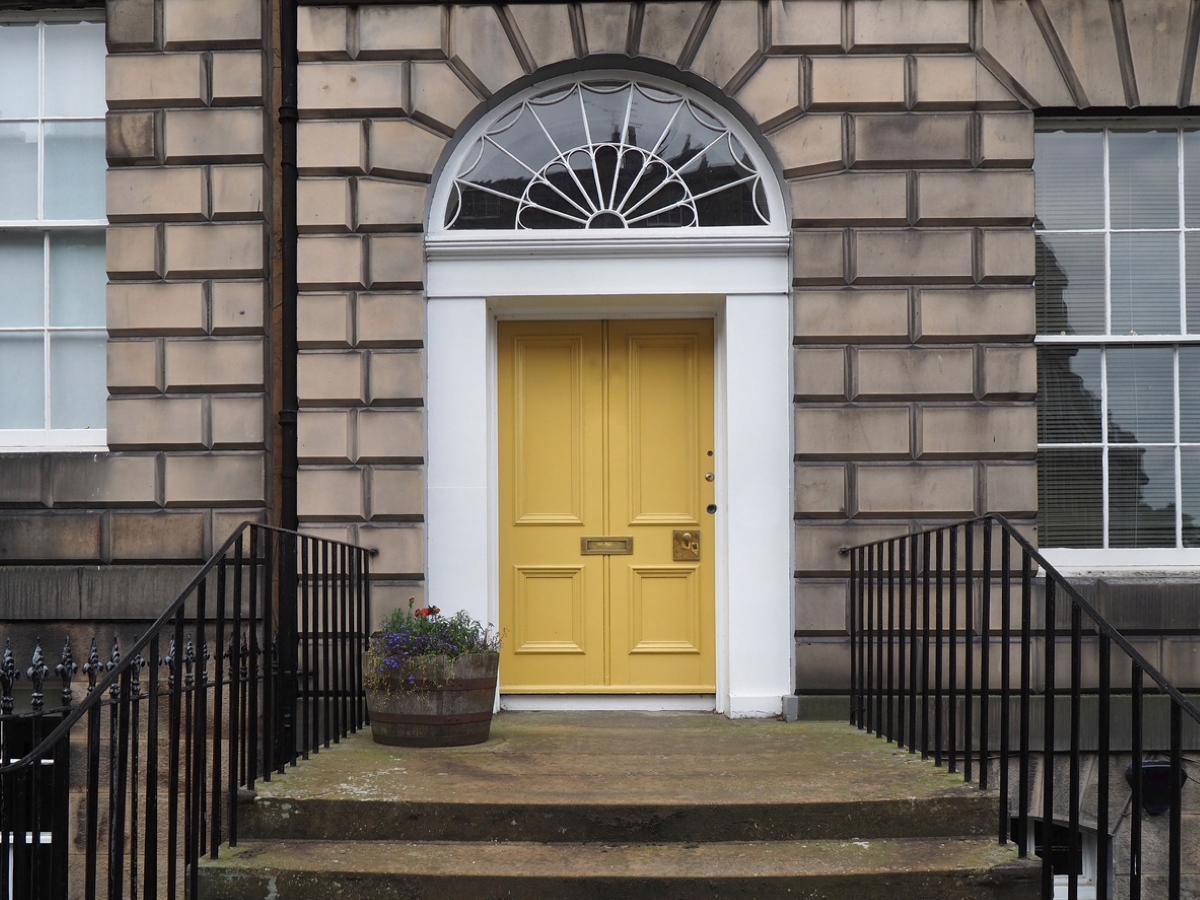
[447,704]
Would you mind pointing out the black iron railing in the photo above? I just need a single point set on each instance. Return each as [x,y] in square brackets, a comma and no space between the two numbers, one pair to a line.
[976,661]
[256,664]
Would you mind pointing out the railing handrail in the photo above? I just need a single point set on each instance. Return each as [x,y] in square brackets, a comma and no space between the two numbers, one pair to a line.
[1102,624]
[96,695]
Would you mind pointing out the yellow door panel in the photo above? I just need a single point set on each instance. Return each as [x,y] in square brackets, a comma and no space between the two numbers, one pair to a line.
[605,434]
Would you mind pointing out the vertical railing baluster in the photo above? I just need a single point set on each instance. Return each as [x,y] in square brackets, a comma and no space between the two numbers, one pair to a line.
[8,677]
[1135,806]
[340,644]
[868,638]
[270,711]
[891,640]
[925,661]
[1175,834]
[968,649]
[1073,836]
[985,659]
[92,669]
[305,638]
[253,720]
[1048,743]
[326,641]
[174,714]
[135,672]
[939,642]
[150,884]
[879,640]
[1005,675]
[856,564]
[235,691]
[218,711]
[914,565]
[952,725]
[360,637]
[902,639]
[1105,729]
[1023,783]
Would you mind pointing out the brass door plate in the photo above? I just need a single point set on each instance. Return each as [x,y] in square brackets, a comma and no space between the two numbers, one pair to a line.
[605,546]
[685,545]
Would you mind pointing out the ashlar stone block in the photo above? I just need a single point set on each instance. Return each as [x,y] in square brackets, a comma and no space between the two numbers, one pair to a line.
[157,79]
[798,26]
[391,435]
[133,251]
[402,32]
[730,46]
[1010,371]
[606,27]
[238,423]
[1007,255]
[911,371]
[919,26]
[819,372]
[155,309]
[324,204]
[1006,139]
[979,431]
[216,480]
[199,24]
[546,30]
[397,260]
[388,206]
[214,250]
[329,263]
[161,422]
[177,194]
[323,321]
[158,537]
[237,78]
[330,379]
[130,25]
[912,255]
[213,135]
[982,197]
[957,315]
[818,546]
[35,537]
[330,494]
[856,82]
[916,490]
[912,139]
[958,82]
[324,436]
[237,307]
[403,149]
[211,365]
[854,432]
[1012,37]
[820,490]
[1011,488]
[850,316]
[238,192]
[131,137]
[666,28]
[390,320]
[440,97]
[132,366]
[479,43]
[331,147]
[818,257]
[395,378]
[1086,32]
[329,89]
[103,480]
[850,198]
[821,607]
[397,494]
[323,32]
[773,92]
[809,145]
[1157,37]
[401,549]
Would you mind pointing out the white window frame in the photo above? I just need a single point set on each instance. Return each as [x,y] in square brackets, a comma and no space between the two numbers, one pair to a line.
[50,439]
[1107,557]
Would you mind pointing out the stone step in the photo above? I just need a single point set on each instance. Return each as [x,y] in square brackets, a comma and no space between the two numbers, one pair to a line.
[891,869]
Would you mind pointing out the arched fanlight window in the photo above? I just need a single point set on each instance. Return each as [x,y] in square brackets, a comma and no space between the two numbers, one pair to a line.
[605,152]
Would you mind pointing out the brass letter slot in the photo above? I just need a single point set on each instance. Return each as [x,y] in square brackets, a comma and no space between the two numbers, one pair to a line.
[605,546]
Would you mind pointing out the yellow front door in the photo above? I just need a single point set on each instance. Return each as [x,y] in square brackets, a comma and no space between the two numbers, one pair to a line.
[606,545]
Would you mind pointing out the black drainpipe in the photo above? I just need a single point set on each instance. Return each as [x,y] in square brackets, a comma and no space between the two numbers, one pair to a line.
[289,402]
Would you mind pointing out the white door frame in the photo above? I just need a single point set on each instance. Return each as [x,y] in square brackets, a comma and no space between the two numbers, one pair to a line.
[743,283]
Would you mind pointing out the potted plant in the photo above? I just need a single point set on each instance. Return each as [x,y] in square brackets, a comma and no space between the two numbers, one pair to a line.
[431,680]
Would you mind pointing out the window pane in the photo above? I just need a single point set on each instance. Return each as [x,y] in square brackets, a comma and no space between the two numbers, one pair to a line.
[1191,177]
[1068,394]
[1143,179]
[1141,497]
[77,380]
[22,298]
[1141,395]
[1190,463]
[75,69]
[1070,283]
[1193,283]
[77,278]
[1070,498]
[18,170]
[1145,284]
[1068,170]
[18,71]
[1189,394]
[22,402]
[74,170]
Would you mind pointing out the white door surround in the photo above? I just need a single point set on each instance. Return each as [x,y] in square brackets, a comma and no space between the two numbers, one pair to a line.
[740,277]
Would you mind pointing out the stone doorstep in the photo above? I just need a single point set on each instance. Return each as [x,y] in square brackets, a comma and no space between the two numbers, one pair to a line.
[895,869]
